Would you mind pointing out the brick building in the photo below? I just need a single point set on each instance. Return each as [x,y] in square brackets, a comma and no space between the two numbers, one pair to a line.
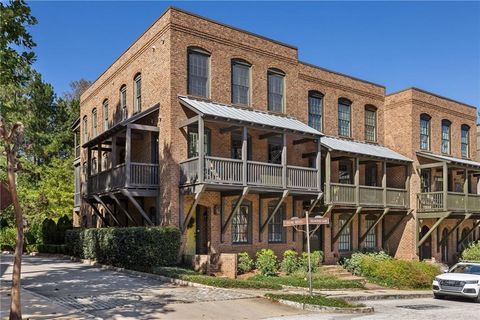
[224,134]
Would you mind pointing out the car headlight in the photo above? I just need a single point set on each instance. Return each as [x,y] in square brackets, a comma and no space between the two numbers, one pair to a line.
[472,282]
[437,279]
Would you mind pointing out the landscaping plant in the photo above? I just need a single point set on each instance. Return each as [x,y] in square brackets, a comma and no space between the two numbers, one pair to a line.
[290,262]
[316,258]
[245,263]
[472,253]
[267,262]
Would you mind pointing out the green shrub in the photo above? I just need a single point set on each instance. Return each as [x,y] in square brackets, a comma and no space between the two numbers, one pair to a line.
[29,248]
[7,238]
[316,258]
[290,262]
[33,234]
[472,253]
[356,264]
[317,300]
[267,262]
[245,263]
[137,248]
[49,229]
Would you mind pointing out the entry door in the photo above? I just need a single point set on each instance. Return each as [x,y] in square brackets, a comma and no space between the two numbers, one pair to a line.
[201,233]
[316,241]
[426,248]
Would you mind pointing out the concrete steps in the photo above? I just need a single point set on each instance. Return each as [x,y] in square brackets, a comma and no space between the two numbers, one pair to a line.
[341,273]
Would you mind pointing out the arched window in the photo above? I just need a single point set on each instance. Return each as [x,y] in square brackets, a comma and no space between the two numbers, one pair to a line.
[315,110]
[242,223]
[241,82]
[85,129]
[446,136]
[137,103]
[105,114]
[276,90]
[344,117]
[465,141]
[425,131]
[371,237]
[123,102]
[370,123]
[345,239]
[198,72]
[94,122]
[276,231]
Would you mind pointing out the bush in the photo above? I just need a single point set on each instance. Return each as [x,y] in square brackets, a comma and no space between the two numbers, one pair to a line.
[29,248]
[316,258]
[472,253]
[290,262]
[267,262]
[7,238]
[33,234]
[49,229]
[137,248]
[245,263]
[355,263]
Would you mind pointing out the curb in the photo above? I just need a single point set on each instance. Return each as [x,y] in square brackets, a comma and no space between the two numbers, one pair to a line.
[386,297]
[324,309]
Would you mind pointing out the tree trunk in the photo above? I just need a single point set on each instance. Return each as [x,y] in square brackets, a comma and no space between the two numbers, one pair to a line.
[15,305]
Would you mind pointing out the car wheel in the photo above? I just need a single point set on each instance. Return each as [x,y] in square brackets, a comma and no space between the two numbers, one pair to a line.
[437,296]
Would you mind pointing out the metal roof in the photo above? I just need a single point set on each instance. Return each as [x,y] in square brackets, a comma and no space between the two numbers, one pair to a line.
[246,115]
[449,159]
[363,148]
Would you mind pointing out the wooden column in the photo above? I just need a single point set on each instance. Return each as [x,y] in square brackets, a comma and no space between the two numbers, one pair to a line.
[128,151]
[408,174]
[201,151]
[465,188]
[319,165]
[244,155]
[445,185]
[89,169]
[284,160]
[114,151]
[384,182]
[357,181]
[328,176]
[99,157]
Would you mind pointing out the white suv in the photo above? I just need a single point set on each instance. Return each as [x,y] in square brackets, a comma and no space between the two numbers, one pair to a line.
[463,280]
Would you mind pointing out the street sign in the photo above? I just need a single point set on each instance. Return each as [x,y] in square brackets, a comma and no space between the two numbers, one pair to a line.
[303,221]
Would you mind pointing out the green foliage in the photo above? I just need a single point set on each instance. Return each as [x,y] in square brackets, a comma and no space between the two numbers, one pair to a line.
[319,281]
[7,238]
[290,262]
[245,263]
[316,258]
[267,262]
[29,248]
[33,234]
[472,253]
[387,271]
[49,230]
[136,248]
[317,300]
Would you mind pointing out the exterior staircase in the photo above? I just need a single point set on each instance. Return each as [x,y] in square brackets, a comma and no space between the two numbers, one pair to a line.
[341,273]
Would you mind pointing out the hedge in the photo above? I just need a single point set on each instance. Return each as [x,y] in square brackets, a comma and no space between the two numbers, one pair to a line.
[136,248]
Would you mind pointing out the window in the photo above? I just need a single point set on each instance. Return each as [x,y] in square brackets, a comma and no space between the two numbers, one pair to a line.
[344,117]
[94,166]
[371,174]
[105,115]
[198,72]
[123,102]
[370,123]
[240,82]
[275,150]
[371,238]
[275,90]
[85,129]
[94,122]
[193,141]
[315,110]
[425,132]
[137,104]
[276,231]
[446,136]
[237,141]
[345,237]
[105,161]
[465,141]
[242,223]
[345,172]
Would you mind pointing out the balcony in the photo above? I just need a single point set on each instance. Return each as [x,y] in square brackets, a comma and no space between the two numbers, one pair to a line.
[456,201]
[226,171]
[346,194]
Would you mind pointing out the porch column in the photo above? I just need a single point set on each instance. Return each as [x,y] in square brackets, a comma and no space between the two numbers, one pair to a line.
[445,185]
[284,160]
[128,151]
[201,151]
[99,157]
[89,169]
[328,175]
[114,150]
[357,181]
[465,188]
[244,155]
[384,182]
[319,165]
[408,174]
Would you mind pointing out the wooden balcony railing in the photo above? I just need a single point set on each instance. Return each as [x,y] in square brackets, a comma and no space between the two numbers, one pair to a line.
[302,178]
[371,196]
[456,201]
[342,193]
[223,170]
[397,198]
[264,174]
[346,194]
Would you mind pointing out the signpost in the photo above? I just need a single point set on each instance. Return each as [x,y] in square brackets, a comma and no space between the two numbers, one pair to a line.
[295,222]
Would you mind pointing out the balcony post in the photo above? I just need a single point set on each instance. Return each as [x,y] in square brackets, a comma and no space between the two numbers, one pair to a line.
[201,147]
[89,169]
[465,189]
[114,151]
[99,157]
[408,173]
[319,165]
[328,175]
[244,155]
[284,160]
[128,151]
[445,186]
[384,183]
[357,181]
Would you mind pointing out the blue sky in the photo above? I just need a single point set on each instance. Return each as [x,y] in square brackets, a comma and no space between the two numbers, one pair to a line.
[431,45]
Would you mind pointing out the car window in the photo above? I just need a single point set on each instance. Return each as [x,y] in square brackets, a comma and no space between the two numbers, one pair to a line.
[466,268]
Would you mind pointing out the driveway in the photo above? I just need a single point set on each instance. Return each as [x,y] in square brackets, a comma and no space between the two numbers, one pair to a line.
[84,291]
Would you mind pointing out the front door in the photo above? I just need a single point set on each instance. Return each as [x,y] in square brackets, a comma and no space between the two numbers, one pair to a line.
[426,248]
[201,232]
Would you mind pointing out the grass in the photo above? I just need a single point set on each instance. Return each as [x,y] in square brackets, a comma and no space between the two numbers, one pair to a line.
[190,275]
[319,281]
[317,300]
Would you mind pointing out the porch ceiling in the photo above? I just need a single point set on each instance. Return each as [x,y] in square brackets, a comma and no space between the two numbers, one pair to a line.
[246,116]
[450,160]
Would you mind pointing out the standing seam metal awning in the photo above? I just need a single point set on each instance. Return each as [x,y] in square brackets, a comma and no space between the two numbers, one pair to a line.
[246,116]
[449,159]
[362,148]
